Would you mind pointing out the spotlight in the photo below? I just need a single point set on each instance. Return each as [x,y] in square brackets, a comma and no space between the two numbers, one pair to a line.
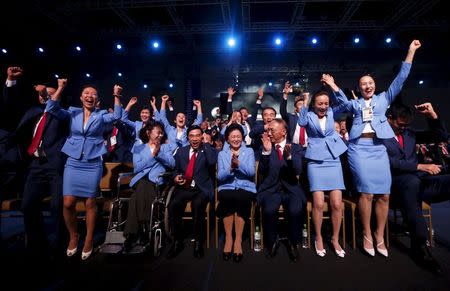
[314,40]
[277,41]
[41,50]
[119,74]
[145,86]
[119,46]
[270,84]
[78,48]
[356,40]
[155,44]
[170,85]
[56,76]
[4,51]
[297,84]
[420,82]
[388,40]
[88,75]
[231,42]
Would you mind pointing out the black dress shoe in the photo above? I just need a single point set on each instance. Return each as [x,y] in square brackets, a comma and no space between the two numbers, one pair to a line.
[175,249]
[422,255]
[226,256]
[293,252]
[198,250]
[272,252]
[237,258]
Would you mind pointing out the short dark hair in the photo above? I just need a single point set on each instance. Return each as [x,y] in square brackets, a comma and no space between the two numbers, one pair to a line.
[231,127]
[397,110]
[193,127]
[282,122]
[269,108]
[149,126]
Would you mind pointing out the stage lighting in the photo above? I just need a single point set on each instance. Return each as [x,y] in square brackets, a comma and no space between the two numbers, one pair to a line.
[88,75]
[388,40]
[314,40]
[145,86]
[270,84]
[56,76]
[4,51]
[41,50]
[78,48]
[420,82]
[356,40]
[119,46]
[119,74]
[231,42]
[170,85]
[277,41]
[155,44]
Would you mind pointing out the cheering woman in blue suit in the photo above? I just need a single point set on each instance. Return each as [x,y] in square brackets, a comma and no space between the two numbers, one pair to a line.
[83,170]
[367,155]
[324,166]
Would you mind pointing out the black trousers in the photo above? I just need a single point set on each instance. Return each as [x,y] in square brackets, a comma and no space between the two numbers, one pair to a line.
[180,198]
[140,204]
[410,190]
[41,182]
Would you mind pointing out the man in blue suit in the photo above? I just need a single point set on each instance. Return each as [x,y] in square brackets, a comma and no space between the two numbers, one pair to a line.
[40,137]
[194,175]
[413,182]
[279,169]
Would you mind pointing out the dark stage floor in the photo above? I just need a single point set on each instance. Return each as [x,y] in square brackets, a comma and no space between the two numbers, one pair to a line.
[144,272]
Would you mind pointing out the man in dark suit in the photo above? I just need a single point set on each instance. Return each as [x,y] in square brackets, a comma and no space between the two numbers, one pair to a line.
[413,182]
[119,140]
[40,137]
[279,168]
[194,175]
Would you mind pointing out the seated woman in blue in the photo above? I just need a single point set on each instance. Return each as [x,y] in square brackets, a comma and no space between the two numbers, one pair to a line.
[235,175]
[84,166]
[150,160]
[367,156]
[145,116]
[324,166]
[177,134]
[236,117]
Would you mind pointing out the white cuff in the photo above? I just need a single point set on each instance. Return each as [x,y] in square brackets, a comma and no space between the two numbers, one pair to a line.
[266,153]
[10,83]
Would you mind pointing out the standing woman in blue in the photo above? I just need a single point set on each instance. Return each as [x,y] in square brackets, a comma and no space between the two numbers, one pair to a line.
[236,186]
[367,156]
[324,166]
[83,170]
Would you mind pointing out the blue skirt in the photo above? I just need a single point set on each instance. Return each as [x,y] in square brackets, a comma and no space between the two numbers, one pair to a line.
[325,175]
[82,177]
[370,167]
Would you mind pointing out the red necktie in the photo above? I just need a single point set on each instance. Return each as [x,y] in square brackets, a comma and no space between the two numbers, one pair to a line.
[38,136]
[280,154]
[400,140]
[112,146]
[190,169]
[301,139]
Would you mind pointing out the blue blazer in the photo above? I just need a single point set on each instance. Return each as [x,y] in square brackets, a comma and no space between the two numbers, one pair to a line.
[321,145]
[404,160]
[380,104]
[204,169]
[171,130]
[88,142]
[146,165]
[280,176]
[240,178]
[135,125]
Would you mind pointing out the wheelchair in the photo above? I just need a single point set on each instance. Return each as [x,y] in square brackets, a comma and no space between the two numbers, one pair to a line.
[155,229]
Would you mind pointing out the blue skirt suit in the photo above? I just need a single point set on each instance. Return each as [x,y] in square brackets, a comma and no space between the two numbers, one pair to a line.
[368,159]
[323,151]
[84,148]
[236,187]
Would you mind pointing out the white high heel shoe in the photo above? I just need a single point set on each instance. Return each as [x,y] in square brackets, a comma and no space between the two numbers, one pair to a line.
[340,253]
[320,253]
[86,255]
[71,253]
[370,251]
[383,252]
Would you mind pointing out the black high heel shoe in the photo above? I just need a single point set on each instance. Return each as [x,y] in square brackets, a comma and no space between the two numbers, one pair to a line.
[237,258]
[226,256]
